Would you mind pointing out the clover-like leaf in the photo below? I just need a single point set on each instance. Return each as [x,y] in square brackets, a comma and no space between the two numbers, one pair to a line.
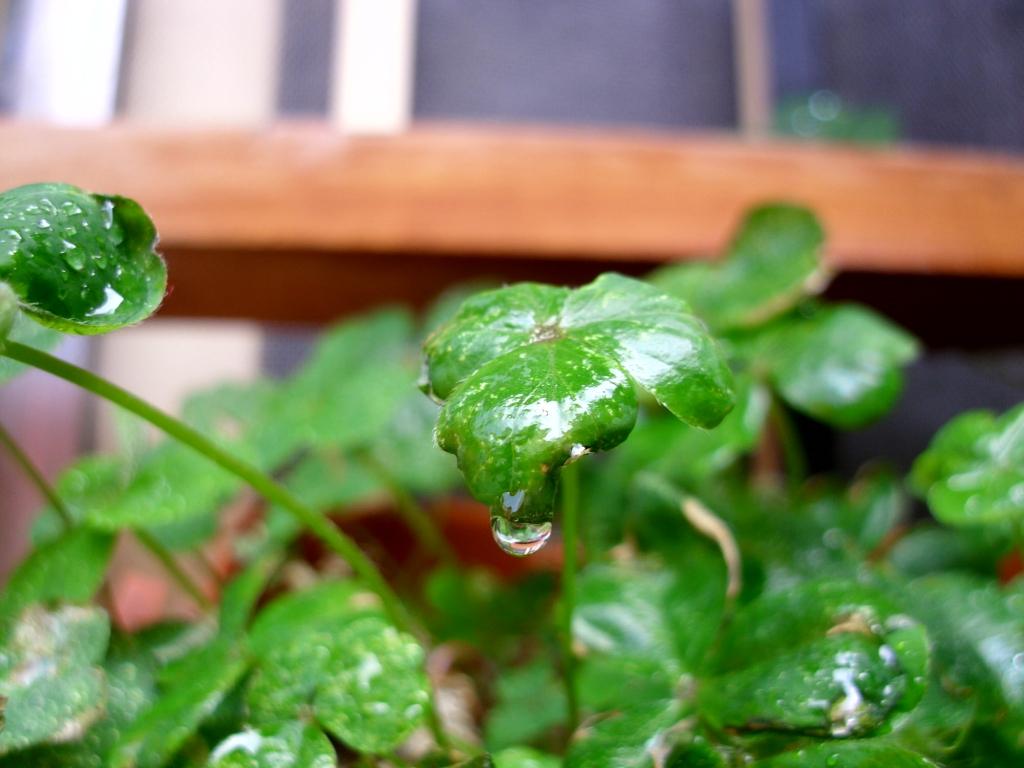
[839,686]
[529,703]
[79,262]
[626,739]
[172,484]
[69,568]
[174,717]
[536,376]
[973,470]
[871,753]
[826,658]
[374,693]
[524,757]
[288,745]
[773,262]
[49,676]
[842,365]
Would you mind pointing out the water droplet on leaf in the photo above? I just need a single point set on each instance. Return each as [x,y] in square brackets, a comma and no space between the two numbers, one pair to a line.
[519,539]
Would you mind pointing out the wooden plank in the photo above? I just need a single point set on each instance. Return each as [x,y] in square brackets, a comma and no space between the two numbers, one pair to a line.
[537,192]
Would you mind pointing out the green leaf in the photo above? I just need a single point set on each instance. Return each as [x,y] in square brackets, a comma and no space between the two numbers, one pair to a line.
[176,715]
[354,381]
[978,630]
[245,419]
[842,365]
[853,754]
[773,262]
[328,481]
[8,310]
[49,676]
[839,686]
[79,262]
[89,482]
[536,376]
[31,334]
[171,485]
[288,745]
[374,693]
[530,702]
[973,470]
[240,597]
[524,757]
[638,610]
[626,739]
[406,448]
[326,607]
[802,613]
[524,415]
[69,568]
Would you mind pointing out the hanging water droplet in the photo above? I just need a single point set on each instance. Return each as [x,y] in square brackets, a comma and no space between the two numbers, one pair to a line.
[519,539]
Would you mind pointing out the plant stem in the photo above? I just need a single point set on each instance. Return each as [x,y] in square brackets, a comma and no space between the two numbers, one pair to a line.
[792,450]
[315,521]
[168,561]
[36,477]
[415,516]
[570,528]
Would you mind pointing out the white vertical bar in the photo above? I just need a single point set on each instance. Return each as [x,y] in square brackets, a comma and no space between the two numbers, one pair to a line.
[373,65]
[203,62]
[67,58]
[753,64]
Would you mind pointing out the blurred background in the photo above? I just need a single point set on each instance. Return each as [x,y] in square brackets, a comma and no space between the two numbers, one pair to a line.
[307,159]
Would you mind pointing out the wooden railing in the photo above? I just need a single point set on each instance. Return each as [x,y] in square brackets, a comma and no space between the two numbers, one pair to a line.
[271,223]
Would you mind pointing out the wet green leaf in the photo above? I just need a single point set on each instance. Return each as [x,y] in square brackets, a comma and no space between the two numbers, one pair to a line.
[840,686]
[842,365]
[288,745]
[973,470]
[49,676]
[638,610]
[524,757]
[326,607]
[773,262]
[530,701]
[79,262]
[852,754]
[535,376]
[30,333]
[287,676]
[525,414]
[628,739]
[8,310]
[69,568]
[978,629]
[374,693]
[175,716]
[805,612]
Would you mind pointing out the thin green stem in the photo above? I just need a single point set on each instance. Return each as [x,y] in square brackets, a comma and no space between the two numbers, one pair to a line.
[570,529]
[789,440]
[173,567]
[415,516]
[33,474]
[272,491]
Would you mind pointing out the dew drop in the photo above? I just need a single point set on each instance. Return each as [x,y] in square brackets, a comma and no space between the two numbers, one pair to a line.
[519,539]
